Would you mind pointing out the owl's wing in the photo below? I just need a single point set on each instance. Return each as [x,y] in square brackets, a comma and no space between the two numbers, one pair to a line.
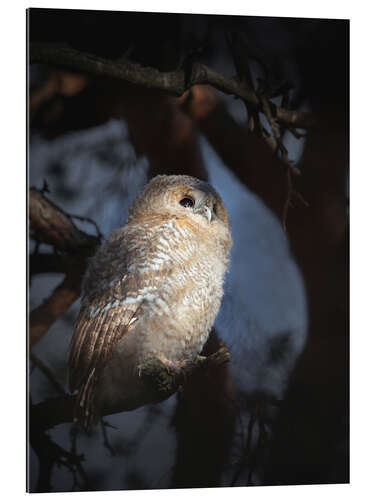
[106,315]
[100,325]
[97,331]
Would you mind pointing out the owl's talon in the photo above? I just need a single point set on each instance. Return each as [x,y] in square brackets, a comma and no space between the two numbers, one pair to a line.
[172,366]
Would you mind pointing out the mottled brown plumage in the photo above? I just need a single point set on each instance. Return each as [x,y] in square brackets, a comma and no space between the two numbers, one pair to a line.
[152,290]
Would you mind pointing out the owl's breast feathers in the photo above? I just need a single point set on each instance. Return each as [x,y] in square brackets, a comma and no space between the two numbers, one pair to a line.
[155,272]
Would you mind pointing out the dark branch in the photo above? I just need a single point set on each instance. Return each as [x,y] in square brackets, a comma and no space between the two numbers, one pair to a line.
[173,81]
[50,224]
[48,263]
[51,454]
[159,381]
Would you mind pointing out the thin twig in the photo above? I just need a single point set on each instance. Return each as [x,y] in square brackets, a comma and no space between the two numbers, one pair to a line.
[50,454]
[289,190]
[106,443]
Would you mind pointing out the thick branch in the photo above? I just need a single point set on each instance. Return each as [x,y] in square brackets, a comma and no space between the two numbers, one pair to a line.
[159,381]
[48,263]
[49,224]
[173,81]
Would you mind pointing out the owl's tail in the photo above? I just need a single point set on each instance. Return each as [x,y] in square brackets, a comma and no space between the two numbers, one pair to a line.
[84,412]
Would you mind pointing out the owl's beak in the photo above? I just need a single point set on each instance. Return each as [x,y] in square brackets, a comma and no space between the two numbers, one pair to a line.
[204,207]
[207,213]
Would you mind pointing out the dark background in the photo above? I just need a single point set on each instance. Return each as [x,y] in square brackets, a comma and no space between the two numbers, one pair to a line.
[96,140]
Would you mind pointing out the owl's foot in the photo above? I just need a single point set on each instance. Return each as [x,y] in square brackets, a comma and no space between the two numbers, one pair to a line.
[173,366]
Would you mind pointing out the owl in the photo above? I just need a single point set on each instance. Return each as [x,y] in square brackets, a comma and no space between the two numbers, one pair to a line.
[152,290]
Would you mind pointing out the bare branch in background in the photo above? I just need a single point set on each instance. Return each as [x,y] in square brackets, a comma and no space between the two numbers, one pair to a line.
[172,81]
[51,454]
[49,224]
[43,316]
[48,263]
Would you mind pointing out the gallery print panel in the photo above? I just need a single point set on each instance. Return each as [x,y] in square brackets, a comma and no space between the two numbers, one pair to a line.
[188,251]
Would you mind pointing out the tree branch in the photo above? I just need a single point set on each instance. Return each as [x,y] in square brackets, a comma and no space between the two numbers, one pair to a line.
[242,152]
[50,454]
[160,382]
[172,81]
[49,224]
[48,263]
[43,316]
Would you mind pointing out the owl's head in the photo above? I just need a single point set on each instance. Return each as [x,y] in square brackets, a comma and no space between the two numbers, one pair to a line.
[186,198]
[180,196]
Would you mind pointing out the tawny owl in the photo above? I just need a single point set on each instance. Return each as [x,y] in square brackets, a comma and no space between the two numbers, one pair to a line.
[152,290]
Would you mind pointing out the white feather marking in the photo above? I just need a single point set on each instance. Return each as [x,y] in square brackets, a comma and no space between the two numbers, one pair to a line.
[154,267]
[144,269]
[131,300]
[150,296]
[162,304]
[163,243]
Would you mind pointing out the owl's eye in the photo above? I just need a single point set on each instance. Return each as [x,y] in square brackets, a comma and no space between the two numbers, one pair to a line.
[187,202]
